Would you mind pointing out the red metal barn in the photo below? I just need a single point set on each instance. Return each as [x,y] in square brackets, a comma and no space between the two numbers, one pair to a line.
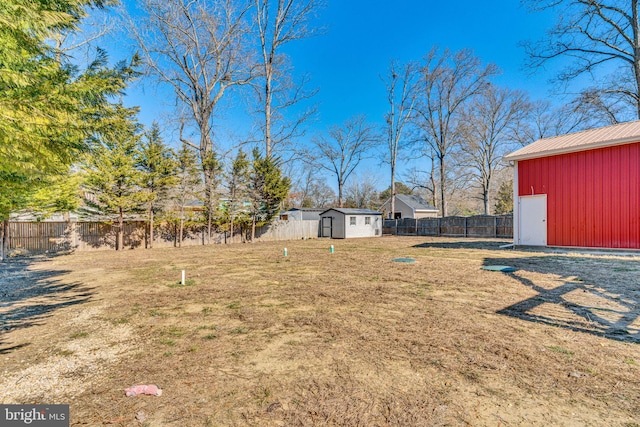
[580,189]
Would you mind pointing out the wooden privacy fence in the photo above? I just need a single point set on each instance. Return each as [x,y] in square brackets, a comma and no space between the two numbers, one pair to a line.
[453,226]
[52,237]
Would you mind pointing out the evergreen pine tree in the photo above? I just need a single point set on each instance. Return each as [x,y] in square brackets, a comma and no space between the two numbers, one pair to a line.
[188,184]
[504,199]
[157,166]
[237,189]
[112,177]
[267,189]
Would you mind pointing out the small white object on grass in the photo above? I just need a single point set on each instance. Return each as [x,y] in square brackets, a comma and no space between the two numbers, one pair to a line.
[183,274]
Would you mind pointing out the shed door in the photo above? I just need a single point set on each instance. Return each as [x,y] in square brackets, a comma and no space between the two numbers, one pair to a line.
[326,226]
[533,220]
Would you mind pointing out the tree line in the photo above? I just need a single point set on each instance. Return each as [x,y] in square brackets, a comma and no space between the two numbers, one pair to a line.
[64,125]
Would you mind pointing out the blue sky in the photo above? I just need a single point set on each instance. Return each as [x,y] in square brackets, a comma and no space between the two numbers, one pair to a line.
[363,35]
[360,37]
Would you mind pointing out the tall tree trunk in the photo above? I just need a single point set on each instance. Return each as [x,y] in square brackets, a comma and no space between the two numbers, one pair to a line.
[181,231]
[485,197]
[120,234]
[267,111]
[253,228]
[4,243]
[180,234]
[340,202]
[636,52]
[393,191]
[443,186]
[434,199]
[231,227]
[151,227]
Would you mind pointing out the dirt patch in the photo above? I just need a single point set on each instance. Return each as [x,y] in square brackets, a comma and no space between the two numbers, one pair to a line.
[315,338]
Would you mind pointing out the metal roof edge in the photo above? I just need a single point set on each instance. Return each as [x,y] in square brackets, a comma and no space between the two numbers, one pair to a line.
[566,150]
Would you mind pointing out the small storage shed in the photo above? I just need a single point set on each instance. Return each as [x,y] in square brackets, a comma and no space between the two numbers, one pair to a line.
[342,223]
[579,190]
[409,206]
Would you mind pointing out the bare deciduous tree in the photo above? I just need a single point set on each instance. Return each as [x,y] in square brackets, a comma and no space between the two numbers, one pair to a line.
[348,145]
[401,86]
[488,129]
[598,36]
[449,82]
[361,193]
[280,22]
[200,49]
[545,121]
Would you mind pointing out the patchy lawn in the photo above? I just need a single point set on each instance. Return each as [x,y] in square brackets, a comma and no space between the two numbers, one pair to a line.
[314,338]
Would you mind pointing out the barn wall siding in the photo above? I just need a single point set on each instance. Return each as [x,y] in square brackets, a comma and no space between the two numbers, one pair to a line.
[593,197]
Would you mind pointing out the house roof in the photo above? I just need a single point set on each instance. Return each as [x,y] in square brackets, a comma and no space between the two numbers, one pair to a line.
[416,203]
[622,133]
[350,211]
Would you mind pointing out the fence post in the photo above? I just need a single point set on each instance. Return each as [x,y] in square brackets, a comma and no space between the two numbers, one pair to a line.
[465,226]
[396,226]
[495,226]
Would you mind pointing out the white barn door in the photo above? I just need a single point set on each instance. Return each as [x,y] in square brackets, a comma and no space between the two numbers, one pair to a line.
[533,220]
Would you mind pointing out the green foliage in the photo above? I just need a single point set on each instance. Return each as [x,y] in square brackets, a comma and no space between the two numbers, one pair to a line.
[504,199]
[400,189]
[60,193]
[212,169]
[238,190]
[156,162]
[49,107]
[112,174]
[267,188]
[188,180]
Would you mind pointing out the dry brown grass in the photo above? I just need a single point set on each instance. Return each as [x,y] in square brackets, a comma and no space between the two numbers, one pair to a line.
[350,338]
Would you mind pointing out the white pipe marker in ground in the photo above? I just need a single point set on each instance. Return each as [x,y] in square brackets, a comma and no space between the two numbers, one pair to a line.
[182,282]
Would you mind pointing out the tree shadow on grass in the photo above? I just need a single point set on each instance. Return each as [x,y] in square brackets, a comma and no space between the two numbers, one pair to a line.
[28,297]
[599,296]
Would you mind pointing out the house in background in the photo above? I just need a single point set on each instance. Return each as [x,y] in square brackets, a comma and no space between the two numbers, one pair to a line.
[343,223]
[302,214]
[579,190]
[409,206]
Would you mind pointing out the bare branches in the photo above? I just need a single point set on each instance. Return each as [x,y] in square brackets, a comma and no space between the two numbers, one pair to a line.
[488,128]
[348,145]
[598,36]
[449,82]
[280,22]
[401,84]
[201,50]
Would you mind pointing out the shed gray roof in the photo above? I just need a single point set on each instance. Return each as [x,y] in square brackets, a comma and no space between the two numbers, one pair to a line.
[307,209]
[622,133]
[415,202]
[351,211]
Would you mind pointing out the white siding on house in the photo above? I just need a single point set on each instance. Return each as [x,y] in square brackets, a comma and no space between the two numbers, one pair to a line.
[419,209]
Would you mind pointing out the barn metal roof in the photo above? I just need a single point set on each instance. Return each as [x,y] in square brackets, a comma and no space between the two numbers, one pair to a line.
[622,133]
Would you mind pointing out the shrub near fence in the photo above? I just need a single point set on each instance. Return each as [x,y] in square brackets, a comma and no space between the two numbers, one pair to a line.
[453,226]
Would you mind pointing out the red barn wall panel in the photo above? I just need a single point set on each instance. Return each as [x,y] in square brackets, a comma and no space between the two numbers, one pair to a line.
[593,196]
